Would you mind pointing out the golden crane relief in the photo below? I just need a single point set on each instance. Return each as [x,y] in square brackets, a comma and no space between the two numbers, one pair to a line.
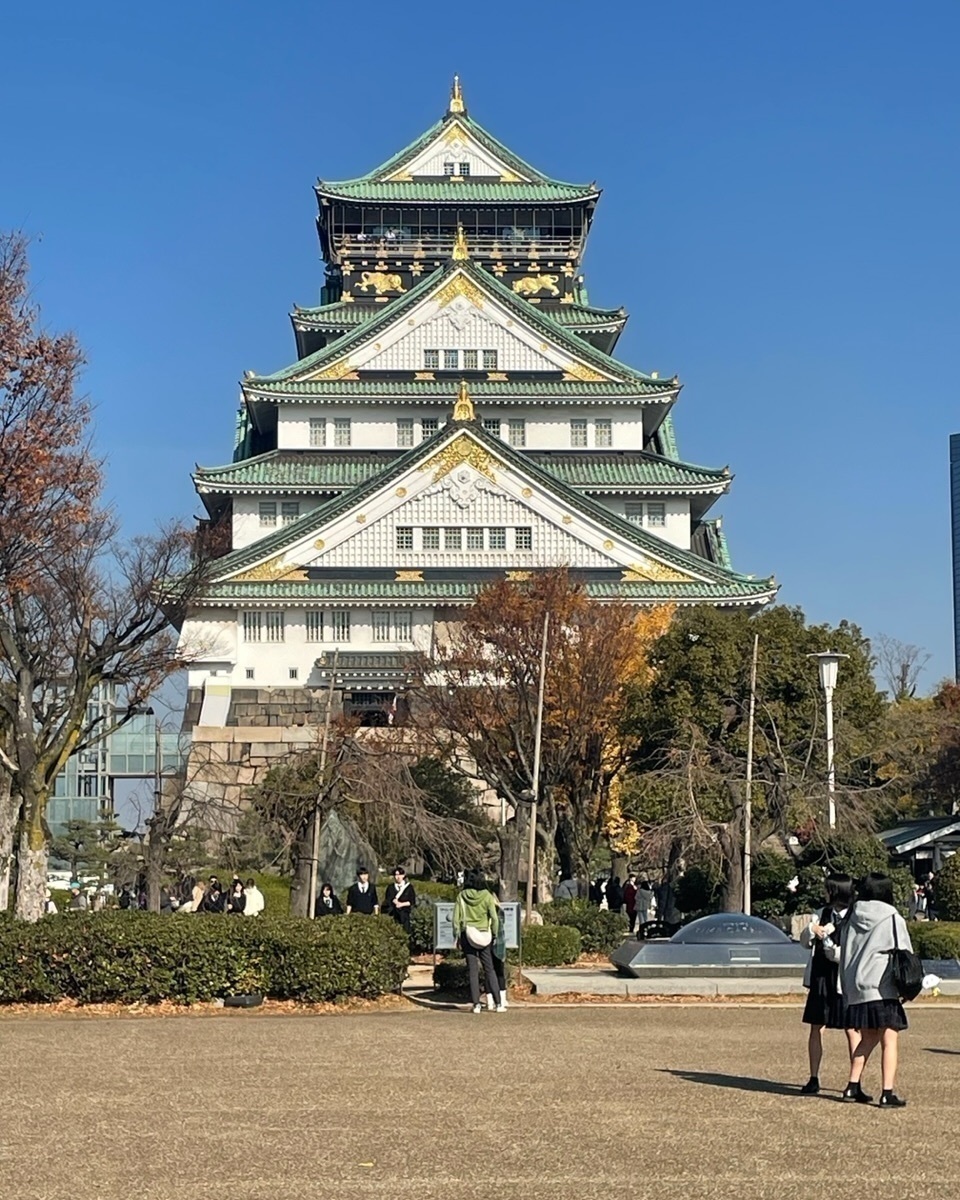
[463,408]
[456,97]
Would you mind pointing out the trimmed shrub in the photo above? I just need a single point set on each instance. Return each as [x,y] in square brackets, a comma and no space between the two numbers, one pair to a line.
[947,890]
[421,927]
[935,939]
[550,945]
[129,958]
[600,930]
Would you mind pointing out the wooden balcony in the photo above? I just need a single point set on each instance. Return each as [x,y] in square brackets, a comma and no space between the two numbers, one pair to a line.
[440,245]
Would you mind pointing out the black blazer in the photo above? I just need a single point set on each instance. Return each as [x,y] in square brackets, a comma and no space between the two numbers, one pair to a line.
[362,902]
[400,914]
[335,909]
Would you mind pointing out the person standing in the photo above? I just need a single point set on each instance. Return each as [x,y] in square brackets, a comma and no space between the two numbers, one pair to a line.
[328,905]
[825,1008]
[630,900]
[400,899]
[646,903]
[614,894]
[255,899]
[362,896]
[476,923]
[872,930]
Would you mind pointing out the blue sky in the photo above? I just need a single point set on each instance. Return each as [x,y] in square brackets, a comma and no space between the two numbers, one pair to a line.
[781,186]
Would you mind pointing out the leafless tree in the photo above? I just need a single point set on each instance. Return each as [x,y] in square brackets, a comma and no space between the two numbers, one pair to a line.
[900,665]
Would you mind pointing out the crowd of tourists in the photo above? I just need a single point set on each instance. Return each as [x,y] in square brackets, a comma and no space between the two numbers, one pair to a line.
[850,977]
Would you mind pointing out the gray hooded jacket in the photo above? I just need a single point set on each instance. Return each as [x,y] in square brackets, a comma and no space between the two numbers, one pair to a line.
[866,971]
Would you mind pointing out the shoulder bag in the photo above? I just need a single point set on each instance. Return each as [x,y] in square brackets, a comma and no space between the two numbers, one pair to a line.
[907,969]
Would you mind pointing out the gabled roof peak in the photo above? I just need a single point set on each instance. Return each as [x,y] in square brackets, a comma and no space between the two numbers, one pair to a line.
[456,97]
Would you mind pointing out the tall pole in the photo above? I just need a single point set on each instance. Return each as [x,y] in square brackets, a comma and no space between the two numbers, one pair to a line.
[532,847]
[315,846]
[748,791]
[831,773]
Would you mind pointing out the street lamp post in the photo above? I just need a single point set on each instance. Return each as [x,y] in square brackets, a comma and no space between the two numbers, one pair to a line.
[827,664]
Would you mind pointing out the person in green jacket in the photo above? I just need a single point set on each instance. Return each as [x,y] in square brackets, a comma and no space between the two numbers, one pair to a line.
[476,923]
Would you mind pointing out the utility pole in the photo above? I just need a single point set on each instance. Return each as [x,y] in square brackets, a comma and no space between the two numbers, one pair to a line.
[315,846]
[532,848]
[748,791]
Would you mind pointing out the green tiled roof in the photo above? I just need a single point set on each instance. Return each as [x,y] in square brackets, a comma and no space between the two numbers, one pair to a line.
[280,470]
[334,316]
[276,542]
[582,316]
[659,391]
[463,591]
[472,190]
[528,313]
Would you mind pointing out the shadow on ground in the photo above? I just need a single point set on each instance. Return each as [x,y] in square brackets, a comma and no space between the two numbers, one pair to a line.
[741,1083]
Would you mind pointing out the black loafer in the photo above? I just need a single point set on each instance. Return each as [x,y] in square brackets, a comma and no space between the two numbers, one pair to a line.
[854,1093]
[891,1100]
[811,1087]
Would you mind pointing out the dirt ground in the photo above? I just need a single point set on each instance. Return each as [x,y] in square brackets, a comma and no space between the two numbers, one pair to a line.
[566,1103]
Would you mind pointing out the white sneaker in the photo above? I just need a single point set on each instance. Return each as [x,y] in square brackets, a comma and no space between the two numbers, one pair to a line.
[503,999]
[501,1007]
[490,1004]
[477,1010]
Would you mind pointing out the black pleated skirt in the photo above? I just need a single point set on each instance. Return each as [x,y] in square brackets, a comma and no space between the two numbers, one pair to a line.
[877,1014]
[825,1005]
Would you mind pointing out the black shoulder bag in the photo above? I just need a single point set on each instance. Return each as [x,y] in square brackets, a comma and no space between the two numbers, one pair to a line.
[907,969]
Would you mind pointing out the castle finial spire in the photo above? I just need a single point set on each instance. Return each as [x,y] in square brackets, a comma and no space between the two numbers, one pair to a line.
[463,409]
[456,97]
[461,251]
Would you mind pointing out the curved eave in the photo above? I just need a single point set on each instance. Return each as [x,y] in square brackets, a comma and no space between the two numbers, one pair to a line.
[474,190]
[345,391]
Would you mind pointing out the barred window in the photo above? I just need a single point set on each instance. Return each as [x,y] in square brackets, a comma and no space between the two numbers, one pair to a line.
[318,431]
[602,432]
[451,360]
[449,168]
[657,515]
[431,360]
[517,431]
[578,432]
[428,427]
[251,626]
[453,539]
[289,512]
[403,626]
[340,619]
[464,168]
[381,627]
[341,431]
[431,537]
[498,538]
[274,626]
[249,673]
[523,537]
[470,360]
[492,425]
[404,431]
[314,625]
[634,513]
[268,514]
[404,537]
[294,672]
[474,539]
[489,360]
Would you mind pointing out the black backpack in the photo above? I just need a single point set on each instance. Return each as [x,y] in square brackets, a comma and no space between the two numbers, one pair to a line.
[907,969]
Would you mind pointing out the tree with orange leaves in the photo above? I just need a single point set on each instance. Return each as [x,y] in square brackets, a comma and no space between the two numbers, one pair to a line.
[478,699]
[79,609]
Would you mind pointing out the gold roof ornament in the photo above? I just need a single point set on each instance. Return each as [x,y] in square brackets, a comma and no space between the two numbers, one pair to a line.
[456,97]
[463,409]
[461,251]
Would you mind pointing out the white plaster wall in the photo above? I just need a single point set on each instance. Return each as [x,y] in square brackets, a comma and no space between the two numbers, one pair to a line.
[457,146]
[677,529]
[246,516]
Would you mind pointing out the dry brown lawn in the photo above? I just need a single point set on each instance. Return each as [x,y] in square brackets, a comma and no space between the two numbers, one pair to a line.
[567,1103]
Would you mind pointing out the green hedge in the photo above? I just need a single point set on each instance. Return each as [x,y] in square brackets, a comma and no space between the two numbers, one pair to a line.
[600,930]
[935,939]
[550,945]
[947,890]
[128,957]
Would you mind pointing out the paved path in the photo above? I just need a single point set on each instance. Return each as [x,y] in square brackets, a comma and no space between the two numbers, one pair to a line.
[568,1104]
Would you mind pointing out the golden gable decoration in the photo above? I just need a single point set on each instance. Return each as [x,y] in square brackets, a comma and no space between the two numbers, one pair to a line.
[584,374]
[650,570]
[340,370]
[462,449]
[271,571]
[459,285]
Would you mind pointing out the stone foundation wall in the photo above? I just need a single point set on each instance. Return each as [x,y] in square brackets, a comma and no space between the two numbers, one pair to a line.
[274,708]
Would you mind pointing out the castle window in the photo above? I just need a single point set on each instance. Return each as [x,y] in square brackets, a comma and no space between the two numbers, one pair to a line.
[428,427]
[489,360]
[274,626]
[474,539]
[251,626]
[431,537]
[578,432]
[404,537]
[464,168]
[431,360]
[268,514]
[449,168]
[657,515]
[314,625]
[517,431]
[341,624]
[381,627]
[294,672]
[318,431]
[453,539]
[392,627]
[523,537]
[470,360]
[498,538]
[404,431]
[603,432]
[492,425]
[249,673]
[289,512]
[341,431]
[403,626]
[634,513]
[451,360]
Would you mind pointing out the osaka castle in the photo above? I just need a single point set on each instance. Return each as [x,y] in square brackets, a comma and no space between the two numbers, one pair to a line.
[455,414]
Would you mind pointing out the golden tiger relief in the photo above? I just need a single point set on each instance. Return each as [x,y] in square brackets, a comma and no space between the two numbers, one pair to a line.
[381,282]
[537,283]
